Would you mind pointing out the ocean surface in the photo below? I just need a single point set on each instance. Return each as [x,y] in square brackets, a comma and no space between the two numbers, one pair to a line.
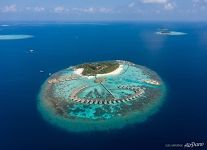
[181,61]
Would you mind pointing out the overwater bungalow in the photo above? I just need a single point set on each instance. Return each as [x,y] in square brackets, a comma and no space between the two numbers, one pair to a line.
[87,101]
[82,101]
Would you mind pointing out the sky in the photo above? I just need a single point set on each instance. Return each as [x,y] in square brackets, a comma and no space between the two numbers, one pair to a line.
[69,10]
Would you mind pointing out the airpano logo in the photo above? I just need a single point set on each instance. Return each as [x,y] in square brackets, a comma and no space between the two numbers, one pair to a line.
[191,145]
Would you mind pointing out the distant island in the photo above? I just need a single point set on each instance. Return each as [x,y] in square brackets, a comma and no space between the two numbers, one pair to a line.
[15,37]
[165,31]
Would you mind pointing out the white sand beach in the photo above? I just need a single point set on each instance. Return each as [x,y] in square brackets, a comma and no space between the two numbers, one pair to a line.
[78,71]
[115,72]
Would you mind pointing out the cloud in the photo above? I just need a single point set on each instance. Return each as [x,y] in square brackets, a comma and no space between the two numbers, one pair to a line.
[105,10]
[88,10]
[155,1]
[169,6]
[93,10]
[199,5]
[131,4]
[39,9]
[59,9]
[199,1]
[196,1]
[9,8]
[35,9]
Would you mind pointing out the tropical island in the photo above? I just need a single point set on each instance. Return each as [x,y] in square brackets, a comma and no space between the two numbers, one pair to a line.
[92,69]
[118,93]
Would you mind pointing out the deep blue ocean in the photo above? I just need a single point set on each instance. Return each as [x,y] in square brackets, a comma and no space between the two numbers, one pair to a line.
[181,61]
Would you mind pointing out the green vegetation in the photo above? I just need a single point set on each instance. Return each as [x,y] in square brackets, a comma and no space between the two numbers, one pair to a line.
[92,69]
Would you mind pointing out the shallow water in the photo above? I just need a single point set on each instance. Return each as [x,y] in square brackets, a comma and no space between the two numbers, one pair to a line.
[15,37]
[179,60]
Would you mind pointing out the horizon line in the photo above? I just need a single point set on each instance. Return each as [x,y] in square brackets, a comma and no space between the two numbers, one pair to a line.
[94,21]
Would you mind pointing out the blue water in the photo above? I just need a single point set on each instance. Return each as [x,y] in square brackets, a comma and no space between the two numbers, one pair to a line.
[181,61]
